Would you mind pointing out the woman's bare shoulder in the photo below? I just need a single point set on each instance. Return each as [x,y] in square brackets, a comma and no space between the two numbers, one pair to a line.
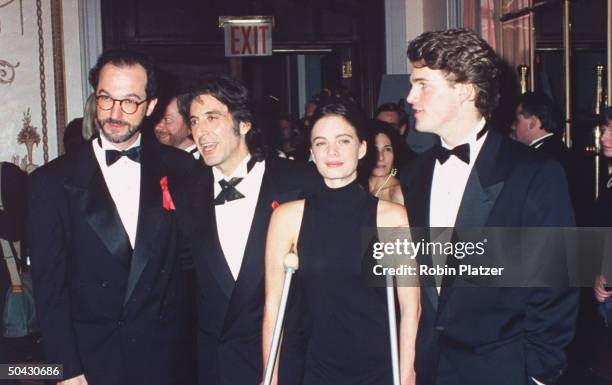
[289,209]
[391,214]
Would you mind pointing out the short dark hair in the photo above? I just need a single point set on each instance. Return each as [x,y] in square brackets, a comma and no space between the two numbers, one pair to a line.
[170,87]
[465,58]
[126,58]
[345,108]
[541,106]
[235,95]
[402,116]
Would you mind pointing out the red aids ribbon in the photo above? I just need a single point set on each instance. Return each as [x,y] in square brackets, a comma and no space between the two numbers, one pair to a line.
[166,197]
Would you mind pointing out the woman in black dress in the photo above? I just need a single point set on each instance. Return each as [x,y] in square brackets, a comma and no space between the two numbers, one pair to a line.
[345,324]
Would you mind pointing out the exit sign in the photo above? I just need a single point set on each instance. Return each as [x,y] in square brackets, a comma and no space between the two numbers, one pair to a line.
[248,39]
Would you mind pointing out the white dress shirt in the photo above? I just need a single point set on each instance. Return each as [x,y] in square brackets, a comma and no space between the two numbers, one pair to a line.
[447,187]
[193,150]
[123,182]
[234,218]
[449,181]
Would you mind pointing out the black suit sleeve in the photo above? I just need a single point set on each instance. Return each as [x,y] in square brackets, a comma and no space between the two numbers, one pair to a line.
[49,254]
[550,313]
[14,197]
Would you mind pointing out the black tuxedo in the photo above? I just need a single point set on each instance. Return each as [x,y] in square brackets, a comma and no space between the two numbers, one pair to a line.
[495,335]
[118,315]
[230,313]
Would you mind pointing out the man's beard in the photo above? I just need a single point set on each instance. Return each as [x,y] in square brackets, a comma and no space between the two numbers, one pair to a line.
[172,140]
[131,131]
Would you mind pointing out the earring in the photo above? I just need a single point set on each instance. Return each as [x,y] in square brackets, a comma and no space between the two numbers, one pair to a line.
[393,171]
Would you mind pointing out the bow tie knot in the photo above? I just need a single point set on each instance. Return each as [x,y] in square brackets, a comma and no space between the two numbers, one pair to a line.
[228,191]
[114,155]
[462,152]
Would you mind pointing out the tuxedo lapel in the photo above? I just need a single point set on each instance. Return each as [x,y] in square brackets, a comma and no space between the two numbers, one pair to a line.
[150,215]
[252,268]
[484,185]
[88,190]
[418,198]
[212,253]
[418,192]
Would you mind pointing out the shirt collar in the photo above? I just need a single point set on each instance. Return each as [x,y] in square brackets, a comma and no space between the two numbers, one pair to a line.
[191,148]
[535,141]
[240,171]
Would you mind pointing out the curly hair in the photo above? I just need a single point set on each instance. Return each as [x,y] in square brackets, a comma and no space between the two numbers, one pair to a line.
[465,58]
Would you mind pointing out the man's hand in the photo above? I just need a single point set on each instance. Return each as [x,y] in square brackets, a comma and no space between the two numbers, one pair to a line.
[78,380]
[601,294]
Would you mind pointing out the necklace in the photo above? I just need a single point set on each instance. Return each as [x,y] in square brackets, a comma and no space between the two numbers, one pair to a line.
[392,173]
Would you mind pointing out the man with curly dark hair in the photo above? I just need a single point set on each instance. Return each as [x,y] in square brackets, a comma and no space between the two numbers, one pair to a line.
[478,177]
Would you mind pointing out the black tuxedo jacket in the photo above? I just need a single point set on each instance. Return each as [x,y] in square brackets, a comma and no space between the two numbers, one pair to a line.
[230,313]
[553,146]
[118,315]
[495,335]
[573,163]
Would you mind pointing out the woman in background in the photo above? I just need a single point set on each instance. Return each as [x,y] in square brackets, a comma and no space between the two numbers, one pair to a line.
[382,166]
[602,217]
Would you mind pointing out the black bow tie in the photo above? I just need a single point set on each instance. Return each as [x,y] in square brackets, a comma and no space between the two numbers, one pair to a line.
[114,155]
[228,191]
[462,152]
[228,188]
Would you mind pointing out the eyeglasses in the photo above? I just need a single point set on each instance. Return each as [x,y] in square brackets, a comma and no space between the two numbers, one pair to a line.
[105,102]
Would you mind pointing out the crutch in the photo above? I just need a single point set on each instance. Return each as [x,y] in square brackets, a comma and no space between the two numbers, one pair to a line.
[393,329]
[291,263]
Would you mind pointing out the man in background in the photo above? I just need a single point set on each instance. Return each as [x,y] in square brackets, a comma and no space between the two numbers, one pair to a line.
[173,130]
[536,126]
[395,115]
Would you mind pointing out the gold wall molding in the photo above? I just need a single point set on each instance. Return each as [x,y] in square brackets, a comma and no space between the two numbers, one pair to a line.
[57,32]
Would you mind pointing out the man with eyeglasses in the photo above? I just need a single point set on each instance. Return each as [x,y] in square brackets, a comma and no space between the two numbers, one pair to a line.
[111,293]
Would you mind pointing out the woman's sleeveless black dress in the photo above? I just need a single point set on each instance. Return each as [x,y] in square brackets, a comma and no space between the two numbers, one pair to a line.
[348,336]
